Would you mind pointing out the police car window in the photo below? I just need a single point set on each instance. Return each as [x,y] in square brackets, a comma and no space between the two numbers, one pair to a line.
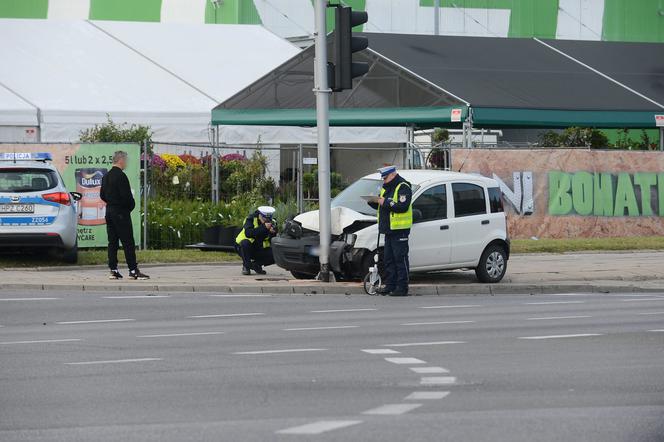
[27,180]
[431,204]
[468,199]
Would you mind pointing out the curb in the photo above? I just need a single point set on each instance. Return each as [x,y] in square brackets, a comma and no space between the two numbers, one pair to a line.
[332,289]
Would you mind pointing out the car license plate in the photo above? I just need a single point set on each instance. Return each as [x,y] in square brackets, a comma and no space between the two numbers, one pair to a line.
[17,208]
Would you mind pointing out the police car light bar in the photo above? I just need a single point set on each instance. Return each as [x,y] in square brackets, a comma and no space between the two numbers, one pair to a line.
[23,156]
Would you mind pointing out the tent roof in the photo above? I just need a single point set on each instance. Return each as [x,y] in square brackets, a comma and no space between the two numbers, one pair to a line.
[167,76]
[15,111]
[506,82]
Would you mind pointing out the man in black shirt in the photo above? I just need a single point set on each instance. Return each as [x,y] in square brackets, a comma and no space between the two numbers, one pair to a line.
[116,193]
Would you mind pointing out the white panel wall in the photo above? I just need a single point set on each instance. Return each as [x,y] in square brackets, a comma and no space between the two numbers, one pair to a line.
[287,18]
[580,19]
[182,11]
[69,9]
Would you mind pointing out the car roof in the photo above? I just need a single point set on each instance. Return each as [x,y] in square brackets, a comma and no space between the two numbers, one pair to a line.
[29,164]
[423,176]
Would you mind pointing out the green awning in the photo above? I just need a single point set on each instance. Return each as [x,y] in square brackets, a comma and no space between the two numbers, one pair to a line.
[494,117]
[420,117]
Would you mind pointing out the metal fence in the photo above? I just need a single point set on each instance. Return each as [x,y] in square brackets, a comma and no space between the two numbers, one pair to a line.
[190,187]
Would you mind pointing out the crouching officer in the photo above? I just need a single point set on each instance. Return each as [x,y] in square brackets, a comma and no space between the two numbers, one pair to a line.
[253,241]
[395,217]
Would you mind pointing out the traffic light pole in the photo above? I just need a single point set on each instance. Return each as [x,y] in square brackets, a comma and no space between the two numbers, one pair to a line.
[323,92]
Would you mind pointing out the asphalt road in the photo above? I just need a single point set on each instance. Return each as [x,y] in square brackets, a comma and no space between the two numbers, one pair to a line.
[198,367]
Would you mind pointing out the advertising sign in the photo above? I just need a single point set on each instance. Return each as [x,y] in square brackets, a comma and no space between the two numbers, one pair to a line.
[82,167]
[567,193]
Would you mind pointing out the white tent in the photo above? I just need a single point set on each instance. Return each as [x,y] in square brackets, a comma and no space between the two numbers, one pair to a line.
[167,76]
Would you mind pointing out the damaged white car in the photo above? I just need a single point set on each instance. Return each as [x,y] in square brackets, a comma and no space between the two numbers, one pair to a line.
[458,222]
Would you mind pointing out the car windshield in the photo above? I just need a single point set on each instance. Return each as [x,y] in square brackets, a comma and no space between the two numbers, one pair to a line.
[27,180]
[351,196]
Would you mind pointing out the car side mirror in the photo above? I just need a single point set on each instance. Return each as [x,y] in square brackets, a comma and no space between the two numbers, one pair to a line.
[417,215]
[76,195]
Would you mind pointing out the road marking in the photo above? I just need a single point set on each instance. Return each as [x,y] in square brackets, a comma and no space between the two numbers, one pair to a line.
[228,315]
[27,299]
[439,323]
[172,335]
[392,409]
[651,313]
[438,380]
[554,302]
[427,395]
[452,306]
[94,321]
[381,351]
[580,335]
[288,350]
[318,427]
[116,361]
[44,341]
[405,361]
[321,328]
[256,295]
[429,370]
[642,299]
[136,297]
[418,344]
[557,317]
[660,330]
[346,310]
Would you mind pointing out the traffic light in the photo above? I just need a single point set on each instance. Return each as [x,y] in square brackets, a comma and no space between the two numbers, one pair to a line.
[345,69]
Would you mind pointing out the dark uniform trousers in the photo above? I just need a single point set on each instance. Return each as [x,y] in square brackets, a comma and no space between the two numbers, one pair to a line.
[119,229]
[395,260]
[254,253]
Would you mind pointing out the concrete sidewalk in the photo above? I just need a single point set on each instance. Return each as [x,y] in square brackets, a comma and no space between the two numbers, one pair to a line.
[527,273]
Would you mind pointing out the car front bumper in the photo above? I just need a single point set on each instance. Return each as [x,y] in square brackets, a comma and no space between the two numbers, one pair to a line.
[301,254]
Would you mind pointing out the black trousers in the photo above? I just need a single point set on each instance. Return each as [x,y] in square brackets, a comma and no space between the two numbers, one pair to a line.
[119,229]
[395,261]
[253,254]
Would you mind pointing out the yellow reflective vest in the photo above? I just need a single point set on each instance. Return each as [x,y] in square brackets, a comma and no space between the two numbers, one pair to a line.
[243,235]
[399,221]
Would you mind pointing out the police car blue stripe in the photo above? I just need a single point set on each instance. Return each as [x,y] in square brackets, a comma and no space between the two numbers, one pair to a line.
[27,221]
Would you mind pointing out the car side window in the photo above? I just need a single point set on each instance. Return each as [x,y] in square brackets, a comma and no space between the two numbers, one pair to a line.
[431,205]
[468,199]
[496,200]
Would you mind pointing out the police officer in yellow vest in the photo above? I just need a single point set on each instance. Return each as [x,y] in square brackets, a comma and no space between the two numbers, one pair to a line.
[253,241]
[395,217]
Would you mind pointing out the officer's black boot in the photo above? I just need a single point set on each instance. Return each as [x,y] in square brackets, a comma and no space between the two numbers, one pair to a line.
[399,292]
[383,291]
[258,269]
[246,271]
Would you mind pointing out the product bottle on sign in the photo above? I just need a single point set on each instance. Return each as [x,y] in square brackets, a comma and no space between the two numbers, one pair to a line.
[91,209]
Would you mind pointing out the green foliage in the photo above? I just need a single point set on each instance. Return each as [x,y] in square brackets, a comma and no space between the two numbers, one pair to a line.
[193,181]
[440,136]
[238,177]
[574,137]
[310,183]
[112,132]
[625,141]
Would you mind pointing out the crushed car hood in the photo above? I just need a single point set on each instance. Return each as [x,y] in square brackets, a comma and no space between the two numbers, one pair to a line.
[342,217]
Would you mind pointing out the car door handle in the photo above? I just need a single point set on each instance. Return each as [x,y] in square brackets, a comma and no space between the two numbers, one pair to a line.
[485,222]
[444,227]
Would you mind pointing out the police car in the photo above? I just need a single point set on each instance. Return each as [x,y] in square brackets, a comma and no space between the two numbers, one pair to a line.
[36,210]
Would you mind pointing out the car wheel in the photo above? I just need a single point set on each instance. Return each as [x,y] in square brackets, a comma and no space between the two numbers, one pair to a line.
[71,256]
[492,265]
[300,275]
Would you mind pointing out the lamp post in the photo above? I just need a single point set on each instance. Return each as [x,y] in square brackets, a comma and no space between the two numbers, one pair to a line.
[323,92]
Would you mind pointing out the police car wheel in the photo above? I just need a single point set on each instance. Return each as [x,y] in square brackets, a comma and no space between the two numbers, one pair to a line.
[492,265]
[71,256]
